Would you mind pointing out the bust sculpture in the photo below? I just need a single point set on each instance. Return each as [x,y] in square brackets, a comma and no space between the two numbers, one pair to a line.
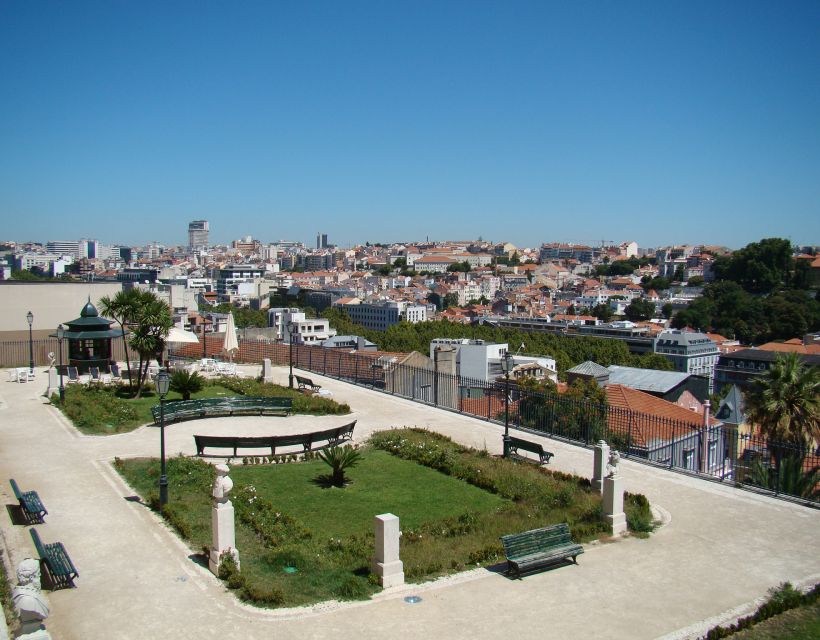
[29,601]
[222,484]
[612,465]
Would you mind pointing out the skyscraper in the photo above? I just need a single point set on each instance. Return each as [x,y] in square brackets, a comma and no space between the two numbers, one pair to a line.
[198,235]
[321,241]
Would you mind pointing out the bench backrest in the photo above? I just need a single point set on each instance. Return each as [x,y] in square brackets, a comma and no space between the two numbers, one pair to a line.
[303,439]
[519,544]
[303,380]
[38,544]
[526,445]
[17,493]
[234,403]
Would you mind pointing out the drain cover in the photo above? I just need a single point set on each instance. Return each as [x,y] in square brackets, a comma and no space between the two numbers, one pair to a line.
[290,569]
[412,599]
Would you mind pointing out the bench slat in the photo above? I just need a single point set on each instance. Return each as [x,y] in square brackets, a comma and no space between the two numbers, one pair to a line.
[56,560]
[540,547]
[306,440]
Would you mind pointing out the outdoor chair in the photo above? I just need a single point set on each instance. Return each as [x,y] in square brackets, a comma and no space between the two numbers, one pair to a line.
[22,374]
[12,375]
[95,374]
[73,375]
[116,376]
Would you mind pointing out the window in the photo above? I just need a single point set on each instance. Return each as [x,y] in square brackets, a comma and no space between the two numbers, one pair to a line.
[689,459]
[712,453]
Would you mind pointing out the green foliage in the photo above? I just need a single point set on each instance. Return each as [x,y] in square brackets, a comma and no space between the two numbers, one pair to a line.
[782,598]
[759,267]
[302,403]
[603,312]
[789,477]
[339,459]
[186,383]
[95,409]
[638,513]
[244,316]
[459,267]
[272,527]
[657,283]
[640,309]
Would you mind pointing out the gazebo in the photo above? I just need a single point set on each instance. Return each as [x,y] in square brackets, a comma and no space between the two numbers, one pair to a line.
[89,340]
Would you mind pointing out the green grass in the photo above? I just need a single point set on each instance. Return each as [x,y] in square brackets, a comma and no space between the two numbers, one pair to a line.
[105,410]
[451,518]
[802,623]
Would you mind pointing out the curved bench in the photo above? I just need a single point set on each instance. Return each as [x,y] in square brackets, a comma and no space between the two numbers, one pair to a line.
[306,441]
[213,407]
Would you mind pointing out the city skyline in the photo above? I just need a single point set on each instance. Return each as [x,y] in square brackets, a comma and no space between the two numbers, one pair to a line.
[526,123]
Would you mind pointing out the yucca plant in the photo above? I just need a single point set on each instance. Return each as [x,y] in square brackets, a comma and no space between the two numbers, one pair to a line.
[186,383]
[339,459]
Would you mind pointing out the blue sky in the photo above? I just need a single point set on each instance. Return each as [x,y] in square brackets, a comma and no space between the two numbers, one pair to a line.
[660,122]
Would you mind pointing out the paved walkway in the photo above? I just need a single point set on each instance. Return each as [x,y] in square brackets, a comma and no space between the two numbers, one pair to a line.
[720,549]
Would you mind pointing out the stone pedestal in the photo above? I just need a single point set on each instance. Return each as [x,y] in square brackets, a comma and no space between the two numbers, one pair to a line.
[31,605]
[53,382]
[386,563]
[222,521]
[601,453]
[267,371]
[614,504]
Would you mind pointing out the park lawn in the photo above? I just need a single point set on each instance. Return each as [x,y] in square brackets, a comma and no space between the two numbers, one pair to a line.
[106,410]
[802,623]
[326,533]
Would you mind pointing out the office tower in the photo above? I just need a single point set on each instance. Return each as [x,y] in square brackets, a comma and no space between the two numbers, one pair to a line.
[198,235]
[321,241]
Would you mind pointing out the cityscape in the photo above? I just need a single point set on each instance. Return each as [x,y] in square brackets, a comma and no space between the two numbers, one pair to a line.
[366,320]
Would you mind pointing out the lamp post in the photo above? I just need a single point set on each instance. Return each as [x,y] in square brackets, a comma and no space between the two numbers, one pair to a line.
[204,346]
[290,352]
[163,382]
[30,318]
[60,336]
[507,363]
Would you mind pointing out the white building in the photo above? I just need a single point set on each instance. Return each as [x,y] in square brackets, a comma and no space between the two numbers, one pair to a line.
[291,325]
[689,351]
[481,361]
[414,313]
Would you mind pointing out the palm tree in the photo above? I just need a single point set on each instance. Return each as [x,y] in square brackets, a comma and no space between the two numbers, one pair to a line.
[123,308]
[153,321]
[785,405]
[339,459]
[186,383]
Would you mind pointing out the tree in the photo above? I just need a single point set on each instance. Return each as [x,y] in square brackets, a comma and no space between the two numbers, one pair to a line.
[785,406]
[695,281]
[620,268]
[679,274]
[124,309]
[150,328]
[640,309]
[603,312]
[759,267]
[666,310]
[185,383]
[450,300]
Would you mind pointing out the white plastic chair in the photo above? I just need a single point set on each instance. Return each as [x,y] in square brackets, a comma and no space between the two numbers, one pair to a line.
[22,374]
[12,375]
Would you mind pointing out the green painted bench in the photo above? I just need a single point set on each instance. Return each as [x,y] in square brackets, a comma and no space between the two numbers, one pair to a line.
[305,441]
[60,569]
[532,447]
[30,504]
[306,384]
[213,407]
[539,548]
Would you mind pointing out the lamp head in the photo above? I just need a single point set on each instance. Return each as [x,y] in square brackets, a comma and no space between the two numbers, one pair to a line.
[60,332]
[163,383]
[30,318]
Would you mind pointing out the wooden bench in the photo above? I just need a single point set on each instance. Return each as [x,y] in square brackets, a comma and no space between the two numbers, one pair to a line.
[60,569]
[305,441]
[532,447]
[212,407]
[30,504]
[306,384]
[539,548]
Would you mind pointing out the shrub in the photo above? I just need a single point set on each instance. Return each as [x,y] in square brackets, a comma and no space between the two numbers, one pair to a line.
[638,514]
[352,588]
[89,407]
[339,459]
[185,383]
[262,594]
[315,405]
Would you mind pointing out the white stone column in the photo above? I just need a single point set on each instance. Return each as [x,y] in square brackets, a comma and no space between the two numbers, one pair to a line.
[386,563]
[601,453]
[222,520]
[614,504]
[267,371]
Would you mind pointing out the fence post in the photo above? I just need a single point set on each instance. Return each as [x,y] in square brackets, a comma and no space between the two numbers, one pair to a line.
[629,431]
[324,364]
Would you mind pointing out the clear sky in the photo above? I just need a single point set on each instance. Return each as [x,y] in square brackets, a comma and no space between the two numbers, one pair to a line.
[660,122]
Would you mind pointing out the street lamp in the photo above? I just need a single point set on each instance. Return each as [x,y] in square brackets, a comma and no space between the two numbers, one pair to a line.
[290,353]
[507,363]
[163,382]
[30,318]
[60,336]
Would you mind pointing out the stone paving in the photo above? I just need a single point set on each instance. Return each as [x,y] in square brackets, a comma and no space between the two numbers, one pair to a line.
[719,550]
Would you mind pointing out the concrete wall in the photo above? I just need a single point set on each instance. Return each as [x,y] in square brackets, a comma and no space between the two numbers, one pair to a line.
[50,302]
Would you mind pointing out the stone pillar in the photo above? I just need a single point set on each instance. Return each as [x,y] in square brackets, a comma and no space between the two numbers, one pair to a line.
[222,520]
[53,382]
[614,496]
[267,371]
[601,451]
[29,602]
[386,563]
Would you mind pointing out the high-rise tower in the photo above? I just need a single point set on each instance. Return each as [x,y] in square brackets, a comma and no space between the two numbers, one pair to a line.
[198,235]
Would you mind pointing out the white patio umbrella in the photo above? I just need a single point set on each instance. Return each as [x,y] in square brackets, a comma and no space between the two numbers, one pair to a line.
[181,336]
[231,344]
